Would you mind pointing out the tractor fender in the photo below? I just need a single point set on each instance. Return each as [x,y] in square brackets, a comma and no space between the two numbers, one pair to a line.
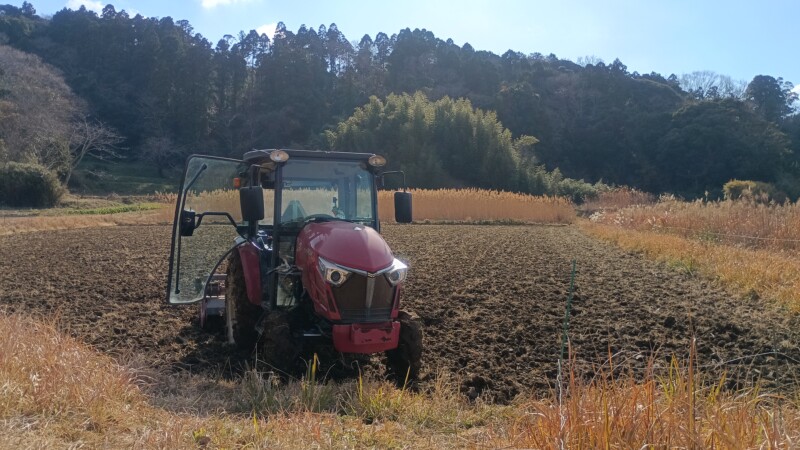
[251,267]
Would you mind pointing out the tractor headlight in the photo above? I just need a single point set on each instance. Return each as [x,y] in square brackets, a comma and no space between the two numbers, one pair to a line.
[332,273]
[397,274]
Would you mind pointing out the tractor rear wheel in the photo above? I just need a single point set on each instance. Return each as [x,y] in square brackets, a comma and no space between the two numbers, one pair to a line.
[278,347]
[405,361]
[241,316]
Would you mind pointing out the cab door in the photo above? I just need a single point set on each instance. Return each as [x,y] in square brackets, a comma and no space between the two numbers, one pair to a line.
[204,229]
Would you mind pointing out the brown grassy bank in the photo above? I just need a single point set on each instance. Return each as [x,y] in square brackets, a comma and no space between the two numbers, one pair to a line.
[55,392]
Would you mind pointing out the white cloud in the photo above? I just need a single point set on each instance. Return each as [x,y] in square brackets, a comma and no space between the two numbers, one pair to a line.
[209,4]
[268,29]
[92,5]
[796,89]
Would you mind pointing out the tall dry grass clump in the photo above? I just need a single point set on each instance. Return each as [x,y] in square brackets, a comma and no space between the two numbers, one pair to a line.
[672,408]
[54,388]
[617,198]
[477,205]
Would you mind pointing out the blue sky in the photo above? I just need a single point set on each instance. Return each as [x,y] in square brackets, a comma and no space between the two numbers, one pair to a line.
[735,37]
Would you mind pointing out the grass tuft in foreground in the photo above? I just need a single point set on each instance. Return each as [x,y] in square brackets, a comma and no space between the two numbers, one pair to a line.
[55,392]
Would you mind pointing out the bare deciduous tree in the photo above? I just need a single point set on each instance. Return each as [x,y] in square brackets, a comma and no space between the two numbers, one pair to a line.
[37,112]
[161,151]
[92,137]
[708,84]
[42,121]
[584,61]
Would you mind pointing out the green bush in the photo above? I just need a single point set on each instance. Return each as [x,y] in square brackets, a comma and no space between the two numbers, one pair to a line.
[537,180]
[753,190]
[577,190]
[28,185]
[735,188]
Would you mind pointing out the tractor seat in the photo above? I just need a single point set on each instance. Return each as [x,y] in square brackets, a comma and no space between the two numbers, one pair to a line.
[294,211]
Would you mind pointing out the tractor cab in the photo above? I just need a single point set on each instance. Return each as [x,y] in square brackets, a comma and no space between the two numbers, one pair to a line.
[263,201]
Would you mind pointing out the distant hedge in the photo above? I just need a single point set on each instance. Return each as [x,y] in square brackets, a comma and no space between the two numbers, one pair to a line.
[753,190]
[28,185]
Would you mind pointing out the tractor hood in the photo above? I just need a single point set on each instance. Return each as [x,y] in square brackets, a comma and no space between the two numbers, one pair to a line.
[347,244]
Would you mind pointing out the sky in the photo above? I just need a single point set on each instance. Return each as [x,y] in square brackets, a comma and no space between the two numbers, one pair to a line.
[738,38]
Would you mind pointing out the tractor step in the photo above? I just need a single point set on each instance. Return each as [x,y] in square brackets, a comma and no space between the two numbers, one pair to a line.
[215,306]
[213,303]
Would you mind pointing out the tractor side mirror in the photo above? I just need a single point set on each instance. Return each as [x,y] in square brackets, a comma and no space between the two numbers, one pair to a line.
[251,199]
[187,223]
[402,207]
[382,178]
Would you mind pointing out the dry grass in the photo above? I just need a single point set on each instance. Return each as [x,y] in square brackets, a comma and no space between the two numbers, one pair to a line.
[617,198]
[743,223]
[451,205]
[469,205]
[57,393]
[747,245]
[475,205]
[14,225]
[767,273]
[671,408]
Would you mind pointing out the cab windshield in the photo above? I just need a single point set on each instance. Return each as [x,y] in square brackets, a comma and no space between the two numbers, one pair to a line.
[331,190]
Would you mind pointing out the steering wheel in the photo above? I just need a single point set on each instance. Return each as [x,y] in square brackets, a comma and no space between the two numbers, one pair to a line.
[315,217]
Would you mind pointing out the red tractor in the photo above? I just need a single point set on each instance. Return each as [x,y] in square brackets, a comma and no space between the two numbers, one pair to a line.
[283,246]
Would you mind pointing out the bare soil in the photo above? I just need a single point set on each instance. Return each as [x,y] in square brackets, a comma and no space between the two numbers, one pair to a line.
[492,299]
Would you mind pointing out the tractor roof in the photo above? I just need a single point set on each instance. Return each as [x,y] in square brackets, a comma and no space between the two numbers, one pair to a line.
[259,156]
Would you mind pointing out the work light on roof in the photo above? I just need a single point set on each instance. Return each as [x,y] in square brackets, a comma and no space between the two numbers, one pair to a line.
[278,156]
[377,161]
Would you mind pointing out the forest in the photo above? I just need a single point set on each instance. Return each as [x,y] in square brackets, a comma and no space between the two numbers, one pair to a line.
[152,89]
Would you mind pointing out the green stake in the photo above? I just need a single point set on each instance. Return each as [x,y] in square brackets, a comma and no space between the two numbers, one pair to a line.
[566,314]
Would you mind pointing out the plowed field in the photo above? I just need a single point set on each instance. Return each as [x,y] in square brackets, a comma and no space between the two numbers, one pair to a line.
[492,299]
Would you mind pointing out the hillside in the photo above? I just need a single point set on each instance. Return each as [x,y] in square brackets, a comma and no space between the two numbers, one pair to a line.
[170,92]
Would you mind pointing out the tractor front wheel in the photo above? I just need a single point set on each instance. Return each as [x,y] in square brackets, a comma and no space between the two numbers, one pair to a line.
[241,316]
[405,362]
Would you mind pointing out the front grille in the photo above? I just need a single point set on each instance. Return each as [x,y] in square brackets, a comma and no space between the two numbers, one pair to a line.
[366,316]
[355,306]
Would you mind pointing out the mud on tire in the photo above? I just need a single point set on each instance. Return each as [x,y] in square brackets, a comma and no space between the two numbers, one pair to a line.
[406,359]
[278,348]
[241,316]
